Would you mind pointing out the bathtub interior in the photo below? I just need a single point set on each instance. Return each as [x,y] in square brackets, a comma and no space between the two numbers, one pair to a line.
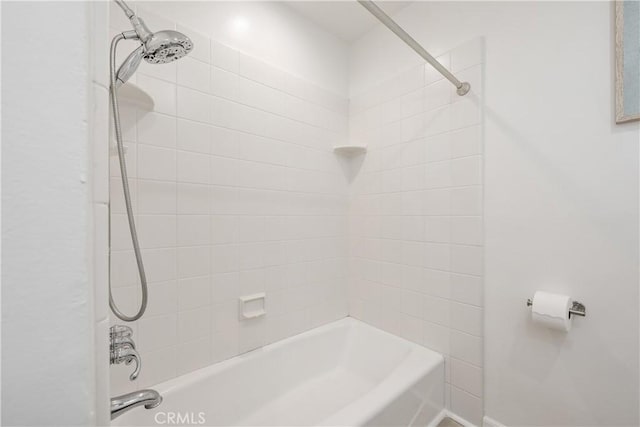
[302,380]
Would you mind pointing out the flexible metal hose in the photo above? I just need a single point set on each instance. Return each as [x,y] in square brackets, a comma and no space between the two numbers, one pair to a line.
[127,196]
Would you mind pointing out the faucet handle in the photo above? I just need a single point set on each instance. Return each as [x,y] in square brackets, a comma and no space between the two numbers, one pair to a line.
[128,354]
[120,331]
[136,371]
[118,341]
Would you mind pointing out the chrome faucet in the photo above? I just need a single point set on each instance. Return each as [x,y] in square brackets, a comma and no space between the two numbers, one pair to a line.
[121,404]
[126,353]
[122,348]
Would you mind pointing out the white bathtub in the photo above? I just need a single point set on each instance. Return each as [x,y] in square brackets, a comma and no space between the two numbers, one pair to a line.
[346,373]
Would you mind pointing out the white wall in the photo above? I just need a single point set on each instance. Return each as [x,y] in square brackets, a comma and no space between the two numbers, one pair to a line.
[561,201]
[236,190]
[269,31]
[48,357]
[416,217]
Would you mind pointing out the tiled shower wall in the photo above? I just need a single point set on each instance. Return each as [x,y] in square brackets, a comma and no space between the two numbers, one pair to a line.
[236,190]
[416,217]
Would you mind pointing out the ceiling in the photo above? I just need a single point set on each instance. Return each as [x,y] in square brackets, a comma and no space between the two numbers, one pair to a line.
[347,20]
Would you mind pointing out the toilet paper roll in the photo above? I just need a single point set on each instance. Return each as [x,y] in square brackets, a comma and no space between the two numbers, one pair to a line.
[552,310]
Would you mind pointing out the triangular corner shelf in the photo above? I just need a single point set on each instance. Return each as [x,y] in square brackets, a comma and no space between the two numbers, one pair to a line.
[132,94]
[350,150]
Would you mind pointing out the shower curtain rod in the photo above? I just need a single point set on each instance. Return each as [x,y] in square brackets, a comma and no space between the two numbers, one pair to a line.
[462,87]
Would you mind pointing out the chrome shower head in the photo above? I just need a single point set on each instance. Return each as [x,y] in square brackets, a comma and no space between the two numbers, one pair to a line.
[166,46]
[161,47]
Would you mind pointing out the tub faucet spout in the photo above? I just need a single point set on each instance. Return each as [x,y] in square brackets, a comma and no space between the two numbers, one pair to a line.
[121,404]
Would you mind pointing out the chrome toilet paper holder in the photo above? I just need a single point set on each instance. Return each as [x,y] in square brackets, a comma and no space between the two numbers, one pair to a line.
[577,308]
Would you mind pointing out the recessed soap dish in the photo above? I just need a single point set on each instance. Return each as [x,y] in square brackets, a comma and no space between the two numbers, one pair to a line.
[252,306]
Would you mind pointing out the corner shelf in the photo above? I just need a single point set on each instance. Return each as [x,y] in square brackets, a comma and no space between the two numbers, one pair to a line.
[350,150]
[132,94]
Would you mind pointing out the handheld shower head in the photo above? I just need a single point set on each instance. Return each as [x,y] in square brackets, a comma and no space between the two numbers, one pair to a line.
[166,46]
[160,48]
[156,48]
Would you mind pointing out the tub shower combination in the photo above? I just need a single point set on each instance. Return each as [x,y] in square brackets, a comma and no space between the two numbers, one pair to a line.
[342,373]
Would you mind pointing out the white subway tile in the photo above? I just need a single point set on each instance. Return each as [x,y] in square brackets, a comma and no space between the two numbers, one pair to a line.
[156,333]
[437,283]
[436,310]
[193,105]
[412,328]
[467,55]
[224,83]
[193,136]
[160,264]
[467,230]
[224,171]
[162,298]
[224,258]
[198,356]
[225,287]
[224,142]
[156,197]
[157,231]
[157,129]
[159,365]
[193,261]
[466,201]
[436,337]
[194,324]
[437,95]
[437,202]
[259,71]
[224,57]
[156,163]
[439,120]
[465,112]
[437,229]
[466,142]
[193,199]
[467,259]
[466,171]
[466,405]
[438,174]
[224,113]
[224,200]
[467,289]
[438,147]
[162,92]
[193,74]
[194,230]
[193,167]
[466,347]
[412,303]
[466,377]
[466,318]
[437,256]
[165,72]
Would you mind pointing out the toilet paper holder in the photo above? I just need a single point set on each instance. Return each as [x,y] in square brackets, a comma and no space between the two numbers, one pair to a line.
[577,308]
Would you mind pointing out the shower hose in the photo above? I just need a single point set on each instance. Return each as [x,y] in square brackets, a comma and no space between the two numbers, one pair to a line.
[127,196]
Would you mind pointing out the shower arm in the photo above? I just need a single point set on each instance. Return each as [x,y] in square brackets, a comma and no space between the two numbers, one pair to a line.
[462,87]
[125,8]
[142,31]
